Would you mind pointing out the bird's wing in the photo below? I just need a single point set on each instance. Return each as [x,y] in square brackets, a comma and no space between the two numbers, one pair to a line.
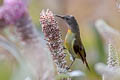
[79,50]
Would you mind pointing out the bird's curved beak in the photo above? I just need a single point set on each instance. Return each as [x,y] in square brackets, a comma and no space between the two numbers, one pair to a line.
[60,16]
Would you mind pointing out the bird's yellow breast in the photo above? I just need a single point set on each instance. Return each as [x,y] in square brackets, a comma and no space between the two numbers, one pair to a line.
[69,42]
[68,38]
[69,31]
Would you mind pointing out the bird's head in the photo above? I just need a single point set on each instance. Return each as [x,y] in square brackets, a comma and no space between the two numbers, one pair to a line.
[68,18]
[71,21]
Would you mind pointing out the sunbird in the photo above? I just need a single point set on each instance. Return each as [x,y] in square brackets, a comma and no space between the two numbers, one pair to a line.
[73,41]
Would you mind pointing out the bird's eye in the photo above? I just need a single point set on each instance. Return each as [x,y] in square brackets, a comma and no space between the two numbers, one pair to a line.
[67,18]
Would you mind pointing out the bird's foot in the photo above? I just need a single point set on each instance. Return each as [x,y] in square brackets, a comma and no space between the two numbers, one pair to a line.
[67,68]
[64,47]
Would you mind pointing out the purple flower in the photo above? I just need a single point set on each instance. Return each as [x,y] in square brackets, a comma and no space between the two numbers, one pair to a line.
[12,10]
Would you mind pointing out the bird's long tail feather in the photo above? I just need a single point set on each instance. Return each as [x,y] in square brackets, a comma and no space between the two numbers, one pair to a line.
[87,64]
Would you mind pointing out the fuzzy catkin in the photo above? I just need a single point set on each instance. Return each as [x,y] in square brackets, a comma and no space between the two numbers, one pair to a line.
[52,34]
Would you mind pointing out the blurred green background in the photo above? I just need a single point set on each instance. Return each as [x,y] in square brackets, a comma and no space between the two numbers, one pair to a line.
[86,12]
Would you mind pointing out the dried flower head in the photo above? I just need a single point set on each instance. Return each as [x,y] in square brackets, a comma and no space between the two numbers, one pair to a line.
[112,70]
[53,37]
[113,59]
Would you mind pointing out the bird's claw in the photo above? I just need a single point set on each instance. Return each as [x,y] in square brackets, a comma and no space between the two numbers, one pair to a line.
[67,68]
[64,47]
